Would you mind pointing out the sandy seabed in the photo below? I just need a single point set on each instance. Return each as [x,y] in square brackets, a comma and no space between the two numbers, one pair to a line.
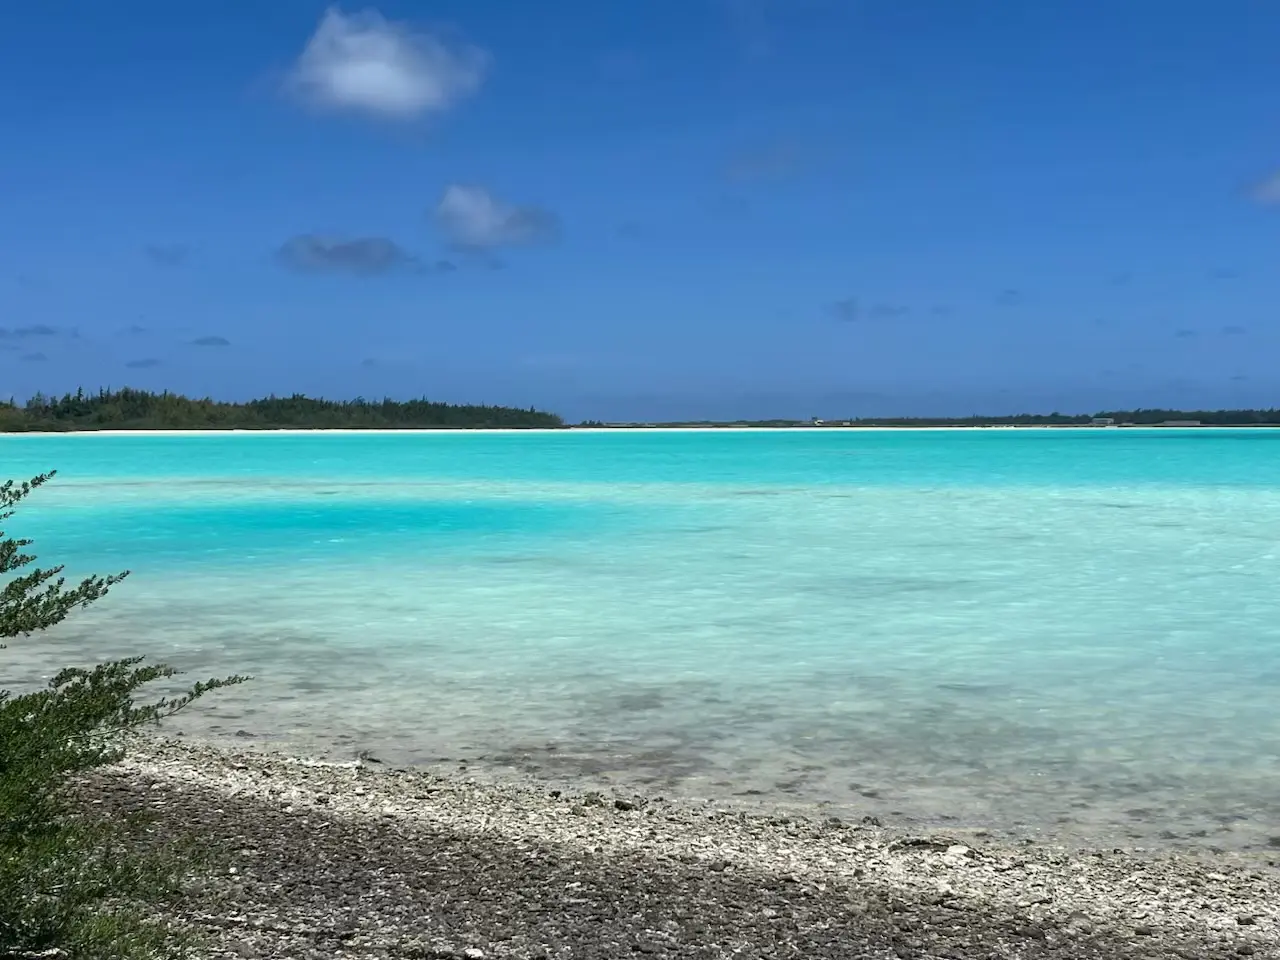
[348,860]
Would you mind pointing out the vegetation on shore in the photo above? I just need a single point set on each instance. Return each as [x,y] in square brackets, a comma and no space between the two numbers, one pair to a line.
[129,409]
[72,886]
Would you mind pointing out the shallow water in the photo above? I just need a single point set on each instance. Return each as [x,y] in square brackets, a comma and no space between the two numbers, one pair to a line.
[1073,633]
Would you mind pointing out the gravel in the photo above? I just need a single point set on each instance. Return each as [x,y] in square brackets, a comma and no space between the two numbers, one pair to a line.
[326,860]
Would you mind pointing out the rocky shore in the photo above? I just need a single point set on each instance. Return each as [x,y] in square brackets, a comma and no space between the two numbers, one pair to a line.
[350,861]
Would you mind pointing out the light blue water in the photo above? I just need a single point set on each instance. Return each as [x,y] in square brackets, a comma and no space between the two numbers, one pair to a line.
[1071,632]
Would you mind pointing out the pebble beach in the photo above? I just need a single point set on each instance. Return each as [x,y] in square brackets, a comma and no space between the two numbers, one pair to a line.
[351,860]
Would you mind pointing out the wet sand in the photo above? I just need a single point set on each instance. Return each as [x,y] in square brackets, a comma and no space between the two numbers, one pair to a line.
[349,860]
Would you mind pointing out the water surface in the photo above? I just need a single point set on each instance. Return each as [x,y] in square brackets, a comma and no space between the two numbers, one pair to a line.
[1065,632]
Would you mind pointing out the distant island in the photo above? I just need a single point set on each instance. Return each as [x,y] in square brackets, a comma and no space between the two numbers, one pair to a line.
[129,409]
[1114,418]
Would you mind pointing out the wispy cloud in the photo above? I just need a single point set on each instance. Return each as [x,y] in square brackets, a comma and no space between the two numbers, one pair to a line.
[364,63]
[365,256]
[1267,190]
[1186,333]
[28,332]
[472,218]
[1009,297]
[167,254]
[1234,330]
[889,311]
[143,364]
[211,342]
[846,310]
[36,357]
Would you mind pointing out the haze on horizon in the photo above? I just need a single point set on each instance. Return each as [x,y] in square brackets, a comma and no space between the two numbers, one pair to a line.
[669,210]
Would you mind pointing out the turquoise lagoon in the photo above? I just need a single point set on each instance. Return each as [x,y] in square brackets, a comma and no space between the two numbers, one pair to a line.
[1069,633]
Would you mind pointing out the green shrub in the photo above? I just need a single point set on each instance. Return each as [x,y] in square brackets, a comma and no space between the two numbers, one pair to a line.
[70,885]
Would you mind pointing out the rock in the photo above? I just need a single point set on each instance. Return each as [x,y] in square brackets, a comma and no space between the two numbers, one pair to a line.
[473,953]
[623,805]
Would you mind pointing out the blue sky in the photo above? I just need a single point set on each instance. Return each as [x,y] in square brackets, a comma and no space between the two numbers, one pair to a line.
[677,208]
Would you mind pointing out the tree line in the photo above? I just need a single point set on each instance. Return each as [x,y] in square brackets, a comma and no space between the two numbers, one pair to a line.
[129,409]
[1140,417]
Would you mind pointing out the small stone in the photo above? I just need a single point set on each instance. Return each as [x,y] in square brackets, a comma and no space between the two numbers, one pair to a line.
[1246,920]
[1246,950]
[473,953]
[1145,930]
[623,805]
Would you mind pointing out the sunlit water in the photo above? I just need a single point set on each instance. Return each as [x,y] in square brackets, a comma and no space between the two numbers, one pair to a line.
[1065,632]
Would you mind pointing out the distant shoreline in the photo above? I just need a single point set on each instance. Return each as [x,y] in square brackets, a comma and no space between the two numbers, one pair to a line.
[130,411]
[733,428]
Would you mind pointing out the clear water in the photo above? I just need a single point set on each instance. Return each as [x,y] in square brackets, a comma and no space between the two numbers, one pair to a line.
[1073,633]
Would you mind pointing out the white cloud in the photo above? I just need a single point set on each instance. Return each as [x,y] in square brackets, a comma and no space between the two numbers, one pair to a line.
[474,219]
[1268,191]
[366,63]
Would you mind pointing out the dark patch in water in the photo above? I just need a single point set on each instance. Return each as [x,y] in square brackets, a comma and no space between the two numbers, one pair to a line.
[638,702]
[971,688]
[871,587]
